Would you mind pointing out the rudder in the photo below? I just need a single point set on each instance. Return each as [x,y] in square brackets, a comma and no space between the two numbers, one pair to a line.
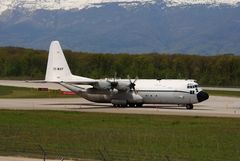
[57,67]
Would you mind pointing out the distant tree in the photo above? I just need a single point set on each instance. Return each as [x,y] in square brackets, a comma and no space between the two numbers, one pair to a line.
[222,70]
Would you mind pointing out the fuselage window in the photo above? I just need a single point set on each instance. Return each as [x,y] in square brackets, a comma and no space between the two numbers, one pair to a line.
[190,86]
[196,86]
[192,92]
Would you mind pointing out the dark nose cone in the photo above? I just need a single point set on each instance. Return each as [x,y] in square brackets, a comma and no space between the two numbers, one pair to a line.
[202,96]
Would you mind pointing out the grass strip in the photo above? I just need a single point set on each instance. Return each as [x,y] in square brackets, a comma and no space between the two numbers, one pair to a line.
[119,137]
[224,93]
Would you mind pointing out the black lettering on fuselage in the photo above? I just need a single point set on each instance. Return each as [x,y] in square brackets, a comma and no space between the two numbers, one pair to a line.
[59,69]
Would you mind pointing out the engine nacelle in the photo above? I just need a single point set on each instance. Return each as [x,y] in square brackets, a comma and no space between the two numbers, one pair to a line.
[123,86]
[118,85]
[103,84]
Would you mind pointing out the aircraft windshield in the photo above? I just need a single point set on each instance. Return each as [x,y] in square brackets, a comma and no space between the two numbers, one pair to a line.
[192,86]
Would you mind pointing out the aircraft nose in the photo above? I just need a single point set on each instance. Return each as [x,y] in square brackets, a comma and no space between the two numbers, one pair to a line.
[202,96]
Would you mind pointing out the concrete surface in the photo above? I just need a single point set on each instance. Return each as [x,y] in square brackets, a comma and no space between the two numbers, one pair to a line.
[215,106]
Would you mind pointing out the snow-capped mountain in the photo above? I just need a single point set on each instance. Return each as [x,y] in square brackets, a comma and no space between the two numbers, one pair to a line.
[62,4]
[201,2]
[81,4]
[134,26]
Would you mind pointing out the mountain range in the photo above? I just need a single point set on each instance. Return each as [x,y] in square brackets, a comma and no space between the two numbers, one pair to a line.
[119,26]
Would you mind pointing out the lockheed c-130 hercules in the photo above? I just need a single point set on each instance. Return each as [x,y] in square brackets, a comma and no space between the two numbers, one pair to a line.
[122,92]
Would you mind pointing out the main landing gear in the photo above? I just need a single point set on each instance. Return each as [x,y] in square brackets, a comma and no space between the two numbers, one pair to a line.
[128,105]
[189,106]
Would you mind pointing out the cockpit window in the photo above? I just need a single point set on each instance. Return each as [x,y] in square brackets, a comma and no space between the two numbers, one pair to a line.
[192,86]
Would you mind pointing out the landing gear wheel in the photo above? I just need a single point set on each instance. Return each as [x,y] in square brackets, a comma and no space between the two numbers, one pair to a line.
[131,105]
[119,105]
[139,105]
[189,106]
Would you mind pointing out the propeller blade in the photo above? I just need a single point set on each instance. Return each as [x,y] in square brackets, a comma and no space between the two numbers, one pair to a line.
[135,79]
[132,84]
[129,78]
[115,76]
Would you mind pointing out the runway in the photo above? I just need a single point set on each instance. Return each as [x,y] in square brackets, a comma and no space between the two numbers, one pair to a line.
[216,106]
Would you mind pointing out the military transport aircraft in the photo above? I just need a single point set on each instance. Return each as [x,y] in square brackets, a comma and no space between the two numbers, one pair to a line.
[122,92]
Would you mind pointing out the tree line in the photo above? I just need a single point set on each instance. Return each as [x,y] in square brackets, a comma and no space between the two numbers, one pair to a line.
[221,70]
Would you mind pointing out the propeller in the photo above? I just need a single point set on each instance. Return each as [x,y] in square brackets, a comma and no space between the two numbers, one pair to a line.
[113,83]
[122,85]
[132,84]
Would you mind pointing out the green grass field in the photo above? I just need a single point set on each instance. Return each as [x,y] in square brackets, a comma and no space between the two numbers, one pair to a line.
[119,137]
[224,93]
[21,92]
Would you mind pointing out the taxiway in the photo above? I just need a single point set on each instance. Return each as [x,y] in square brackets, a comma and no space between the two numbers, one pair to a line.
[216,106]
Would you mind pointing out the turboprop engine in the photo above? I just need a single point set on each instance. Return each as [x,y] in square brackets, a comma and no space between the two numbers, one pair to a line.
[127,94]
[113,85]
[124,85]
[103,84]
[120,85]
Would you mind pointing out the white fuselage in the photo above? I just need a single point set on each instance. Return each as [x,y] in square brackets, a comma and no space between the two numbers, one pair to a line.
[167,91]
[151,92]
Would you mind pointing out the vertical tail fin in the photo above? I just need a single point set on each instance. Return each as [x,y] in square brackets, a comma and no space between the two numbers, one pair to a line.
[57,67]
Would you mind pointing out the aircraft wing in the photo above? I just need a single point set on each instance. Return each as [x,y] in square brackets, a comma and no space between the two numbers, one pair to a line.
[71,82]
[80,82]
[32,84]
